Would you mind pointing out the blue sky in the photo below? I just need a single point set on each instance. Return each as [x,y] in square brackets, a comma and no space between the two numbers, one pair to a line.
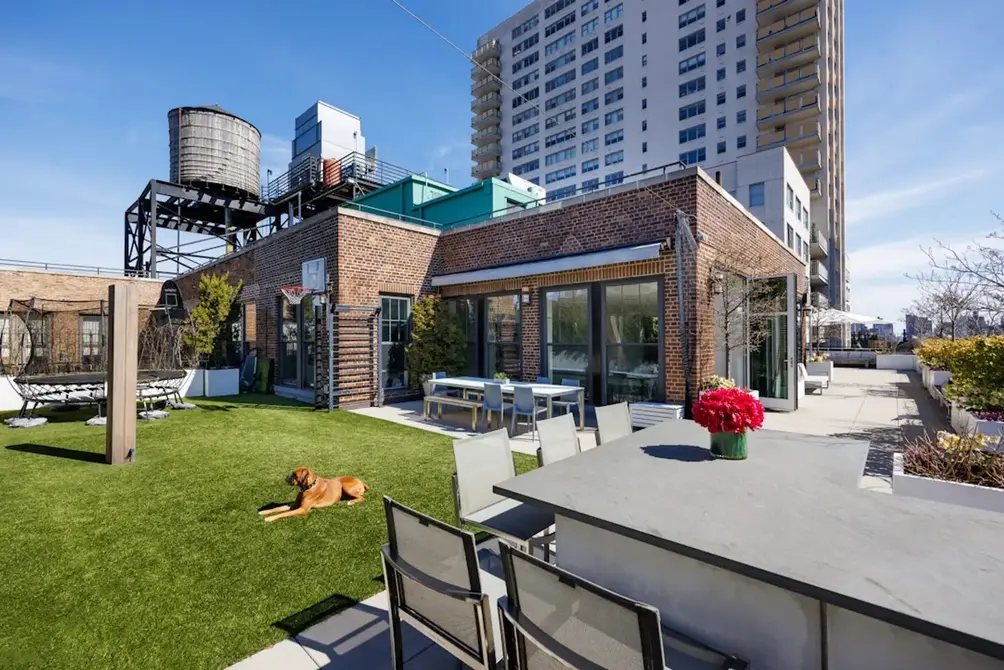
[85,89]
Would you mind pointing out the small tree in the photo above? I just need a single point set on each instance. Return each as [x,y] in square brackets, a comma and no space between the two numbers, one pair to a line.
[438,342]
[216,298]
[951,295]
[743,304]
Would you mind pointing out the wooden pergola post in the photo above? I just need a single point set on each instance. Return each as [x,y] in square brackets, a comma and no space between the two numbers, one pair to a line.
[123,345]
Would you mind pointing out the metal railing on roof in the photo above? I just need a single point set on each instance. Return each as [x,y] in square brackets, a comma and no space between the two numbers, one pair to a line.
[13,263]
[509,209]
[330,172]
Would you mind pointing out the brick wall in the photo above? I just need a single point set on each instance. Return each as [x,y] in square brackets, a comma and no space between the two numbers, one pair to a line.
[370,255]
[24,284]
[599,221]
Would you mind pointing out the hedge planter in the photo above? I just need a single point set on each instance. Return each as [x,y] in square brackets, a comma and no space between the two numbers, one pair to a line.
[964,422]
[939,377]
[820,368]
[939,490]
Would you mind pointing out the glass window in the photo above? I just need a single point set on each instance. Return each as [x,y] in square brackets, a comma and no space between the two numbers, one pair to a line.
[632,328]
[741,91]
[504,327]
[92,340]
[721,122]
[395,313]
[720,75]
[756,194]
[740,41]
[721,147]
[566,334]
[741,116]
[721,98]
[466,311]
[740,16]
[790,194]
[289,344]
[720,49]
[741,142]
[741,65]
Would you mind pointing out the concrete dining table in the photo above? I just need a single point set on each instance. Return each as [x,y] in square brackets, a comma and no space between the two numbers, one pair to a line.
[546,392]
[782,558]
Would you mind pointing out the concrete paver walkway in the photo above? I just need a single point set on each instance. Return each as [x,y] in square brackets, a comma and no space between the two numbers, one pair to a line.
[888,408]
[457,424]
[885,407]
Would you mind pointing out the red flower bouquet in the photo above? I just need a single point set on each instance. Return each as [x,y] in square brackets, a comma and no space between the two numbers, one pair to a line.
[728,411]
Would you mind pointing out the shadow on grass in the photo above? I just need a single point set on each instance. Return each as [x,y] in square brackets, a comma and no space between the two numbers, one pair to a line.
[249,401]
[296,623]
[58,452]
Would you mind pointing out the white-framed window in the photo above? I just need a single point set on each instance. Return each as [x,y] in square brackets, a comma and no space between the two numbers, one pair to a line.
[756,194]
[395,318]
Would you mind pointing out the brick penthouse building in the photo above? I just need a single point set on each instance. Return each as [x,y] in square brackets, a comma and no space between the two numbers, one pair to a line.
[585,288]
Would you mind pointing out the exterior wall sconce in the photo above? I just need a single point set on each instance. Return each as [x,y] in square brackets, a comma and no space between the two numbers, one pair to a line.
[526,296]
[716,279]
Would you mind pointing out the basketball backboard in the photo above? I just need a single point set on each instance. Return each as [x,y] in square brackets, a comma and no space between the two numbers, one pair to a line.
[315,275]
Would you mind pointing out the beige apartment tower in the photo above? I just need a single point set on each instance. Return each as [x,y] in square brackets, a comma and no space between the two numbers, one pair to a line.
[600,90]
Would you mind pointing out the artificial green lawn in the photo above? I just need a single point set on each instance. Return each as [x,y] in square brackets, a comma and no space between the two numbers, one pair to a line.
[165,562]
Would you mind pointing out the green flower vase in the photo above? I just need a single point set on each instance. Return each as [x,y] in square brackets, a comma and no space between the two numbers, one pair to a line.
[729,446]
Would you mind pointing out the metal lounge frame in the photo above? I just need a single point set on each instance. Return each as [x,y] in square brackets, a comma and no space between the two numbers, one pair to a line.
[396,569]
[653,635]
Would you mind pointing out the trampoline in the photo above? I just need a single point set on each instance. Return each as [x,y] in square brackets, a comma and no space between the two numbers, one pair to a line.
[55,353]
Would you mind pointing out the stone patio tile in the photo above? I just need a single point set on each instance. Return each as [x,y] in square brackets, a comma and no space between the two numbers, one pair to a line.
[287,655]
[358,637]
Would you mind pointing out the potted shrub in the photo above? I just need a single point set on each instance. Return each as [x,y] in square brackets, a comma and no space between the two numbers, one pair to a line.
[820,364]
[501,377]
[718,382]
[728,414]
[205,333]
[977,386]
[935,356]
[438,343]
[955,469]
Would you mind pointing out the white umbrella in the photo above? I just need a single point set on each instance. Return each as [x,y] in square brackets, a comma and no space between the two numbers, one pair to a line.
[836,317]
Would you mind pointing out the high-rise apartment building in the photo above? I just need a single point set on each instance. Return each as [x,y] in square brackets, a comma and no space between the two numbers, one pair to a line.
[602,89]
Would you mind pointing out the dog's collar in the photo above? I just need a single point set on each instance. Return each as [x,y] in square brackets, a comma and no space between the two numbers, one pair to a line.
[307,488]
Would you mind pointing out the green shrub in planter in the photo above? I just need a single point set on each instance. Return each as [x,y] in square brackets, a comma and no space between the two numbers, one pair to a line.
[438,342]
[937,353]
[977,366]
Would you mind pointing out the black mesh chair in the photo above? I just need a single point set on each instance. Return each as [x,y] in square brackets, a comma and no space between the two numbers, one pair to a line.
[434,584]
[553,619]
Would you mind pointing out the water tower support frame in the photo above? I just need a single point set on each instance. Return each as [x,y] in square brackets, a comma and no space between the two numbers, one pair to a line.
[232,218]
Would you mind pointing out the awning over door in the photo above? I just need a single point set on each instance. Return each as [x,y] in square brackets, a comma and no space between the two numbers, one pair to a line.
[642,252]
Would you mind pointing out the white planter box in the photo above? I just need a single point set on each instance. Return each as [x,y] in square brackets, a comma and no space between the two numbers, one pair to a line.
[820,368]
[9,399]
[896,362]
[965,422]
[953,493]
[211,383]
[940,377]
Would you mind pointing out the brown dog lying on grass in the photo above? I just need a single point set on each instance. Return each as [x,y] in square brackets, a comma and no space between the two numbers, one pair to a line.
[316,492]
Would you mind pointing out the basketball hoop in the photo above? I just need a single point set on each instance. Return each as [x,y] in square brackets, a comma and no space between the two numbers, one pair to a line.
[294,294]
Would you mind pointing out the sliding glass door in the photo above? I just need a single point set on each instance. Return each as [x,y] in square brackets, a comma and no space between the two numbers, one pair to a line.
[297,330]
[773,368]
[466,311]
[566,335]
[632,340]
[503,336]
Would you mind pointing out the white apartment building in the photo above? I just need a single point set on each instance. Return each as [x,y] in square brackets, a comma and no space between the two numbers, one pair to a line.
[769,184]
[605,89]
